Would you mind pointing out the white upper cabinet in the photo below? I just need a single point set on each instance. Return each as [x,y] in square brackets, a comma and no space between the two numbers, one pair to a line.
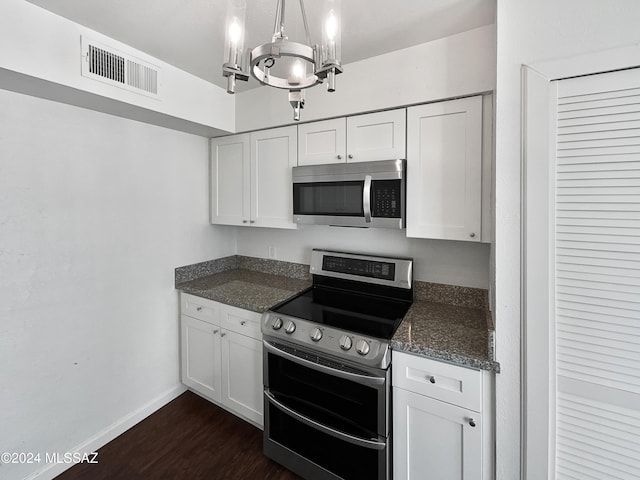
[361,138]
[251,178]
[376,136]
[273,153]
[322,142]
[444,170]
[230,164]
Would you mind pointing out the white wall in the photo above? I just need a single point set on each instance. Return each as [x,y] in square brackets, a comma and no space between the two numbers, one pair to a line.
[528,33]
[439,261]
[95,213]
[462,64]
[40,55]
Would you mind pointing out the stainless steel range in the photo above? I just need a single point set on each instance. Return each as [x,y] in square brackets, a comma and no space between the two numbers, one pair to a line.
[326,367]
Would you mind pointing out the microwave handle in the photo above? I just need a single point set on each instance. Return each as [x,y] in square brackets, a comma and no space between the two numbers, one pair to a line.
[366,198]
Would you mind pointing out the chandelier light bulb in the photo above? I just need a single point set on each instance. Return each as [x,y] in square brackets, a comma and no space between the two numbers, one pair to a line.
[331,25]
[298,72]
[235,31]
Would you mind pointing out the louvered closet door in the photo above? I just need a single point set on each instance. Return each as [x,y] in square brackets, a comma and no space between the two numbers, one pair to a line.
[597,274]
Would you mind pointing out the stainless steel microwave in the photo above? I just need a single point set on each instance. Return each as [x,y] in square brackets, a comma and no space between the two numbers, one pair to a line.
[364,194]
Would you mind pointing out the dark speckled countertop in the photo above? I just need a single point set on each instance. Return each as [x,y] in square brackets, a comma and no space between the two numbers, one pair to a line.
[445,322]
[244,282]
[449,323]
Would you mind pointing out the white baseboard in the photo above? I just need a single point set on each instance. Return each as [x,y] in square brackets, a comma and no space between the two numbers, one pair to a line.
[112,431]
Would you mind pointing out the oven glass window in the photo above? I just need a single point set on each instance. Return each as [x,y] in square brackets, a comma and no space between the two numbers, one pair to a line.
[344,459]
[338,403]
[328,198]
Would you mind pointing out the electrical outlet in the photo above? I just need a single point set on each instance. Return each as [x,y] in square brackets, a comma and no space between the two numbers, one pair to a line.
[272,252]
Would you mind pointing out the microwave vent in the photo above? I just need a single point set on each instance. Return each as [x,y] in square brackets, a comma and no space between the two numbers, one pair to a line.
[108,65]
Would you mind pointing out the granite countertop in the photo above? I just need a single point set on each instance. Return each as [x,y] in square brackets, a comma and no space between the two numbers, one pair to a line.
[244,282]
[449,323]
[445,322]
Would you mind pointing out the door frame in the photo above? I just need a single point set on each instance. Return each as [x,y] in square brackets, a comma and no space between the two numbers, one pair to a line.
[538,383]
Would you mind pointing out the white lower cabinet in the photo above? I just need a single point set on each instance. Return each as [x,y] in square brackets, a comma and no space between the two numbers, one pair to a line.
[434,438]
[201,356]
[221,356]
[242,375]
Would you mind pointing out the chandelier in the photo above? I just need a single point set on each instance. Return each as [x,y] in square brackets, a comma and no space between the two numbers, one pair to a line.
[284,63]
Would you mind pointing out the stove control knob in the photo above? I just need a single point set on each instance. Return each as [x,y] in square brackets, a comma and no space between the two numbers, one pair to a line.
[345,342]
[316,334]
[277,323]
[289,327]
[362,347]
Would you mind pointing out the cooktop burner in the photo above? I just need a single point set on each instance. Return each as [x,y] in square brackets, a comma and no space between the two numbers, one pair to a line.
[352,310]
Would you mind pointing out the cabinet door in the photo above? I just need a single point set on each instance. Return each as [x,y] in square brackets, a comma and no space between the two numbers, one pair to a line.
[273,153]
[434,440]
[376,136]
[242,374]
[444,170]
[230,164]
[201,367]
[322,142]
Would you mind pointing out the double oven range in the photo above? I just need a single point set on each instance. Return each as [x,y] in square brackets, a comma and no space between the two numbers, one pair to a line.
[326,367]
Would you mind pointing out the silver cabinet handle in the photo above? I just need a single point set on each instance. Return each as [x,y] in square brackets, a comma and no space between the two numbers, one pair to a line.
[339,157]
[432,379]
[349,156]
[472,423]
[472,235]
[366,198]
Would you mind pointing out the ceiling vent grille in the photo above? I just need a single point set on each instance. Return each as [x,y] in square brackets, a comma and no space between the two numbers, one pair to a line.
[111,66]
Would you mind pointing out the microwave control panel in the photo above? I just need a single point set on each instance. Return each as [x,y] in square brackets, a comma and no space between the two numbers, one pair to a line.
[386,201]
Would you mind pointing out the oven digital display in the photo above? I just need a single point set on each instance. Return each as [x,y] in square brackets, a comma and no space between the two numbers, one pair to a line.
[362,268]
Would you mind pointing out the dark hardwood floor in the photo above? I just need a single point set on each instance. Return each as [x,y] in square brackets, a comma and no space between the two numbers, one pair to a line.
[190,439]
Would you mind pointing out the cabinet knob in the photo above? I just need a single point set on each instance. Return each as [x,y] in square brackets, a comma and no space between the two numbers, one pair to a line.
[198,309]
[472,423]
[339,157]
[349,156]
[243,322]
[244,221]
[252,221]
[432,379]
[472,235]
[215,331]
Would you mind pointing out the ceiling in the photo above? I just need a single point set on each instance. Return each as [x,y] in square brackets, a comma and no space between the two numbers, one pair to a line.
[190,34]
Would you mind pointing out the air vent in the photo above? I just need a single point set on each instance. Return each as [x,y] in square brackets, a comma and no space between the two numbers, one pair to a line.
[109,65]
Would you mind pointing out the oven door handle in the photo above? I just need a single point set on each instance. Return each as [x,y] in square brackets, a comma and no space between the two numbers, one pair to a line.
[362,442]
[355,377]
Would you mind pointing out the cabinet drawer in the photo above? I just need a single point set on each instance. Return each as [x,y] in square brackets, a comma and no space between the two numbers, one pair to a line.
[442,381]
[241,321]
[199,308]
